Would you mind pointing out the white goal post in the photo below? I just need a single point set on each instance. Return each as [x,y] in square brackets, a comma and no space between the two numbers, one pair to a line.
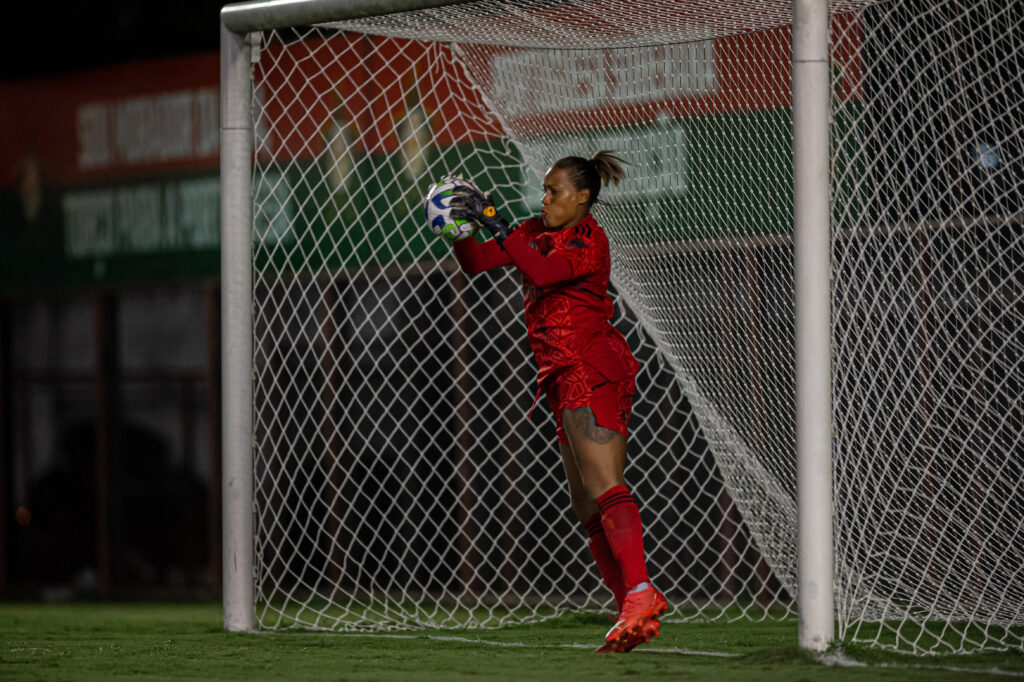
[239,24]
[817,256]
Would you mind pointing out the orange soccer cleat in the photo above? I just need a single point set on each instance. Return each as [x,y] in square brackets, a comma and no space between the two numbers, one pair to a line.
[637,623]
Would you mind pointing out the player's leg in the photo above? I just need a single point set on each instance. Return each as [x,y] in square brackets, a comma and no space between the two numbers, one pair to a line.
[583,507]
[600,457]
[599,453]
[589,515]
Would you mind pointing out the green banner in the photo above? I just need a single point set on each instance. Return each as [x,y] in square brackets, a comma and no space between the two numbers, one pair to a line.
[309,218]
[149,231]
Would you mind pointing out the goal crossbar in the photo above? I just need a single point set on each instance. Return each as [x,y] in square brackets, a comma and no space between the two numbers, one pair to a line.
[243,17]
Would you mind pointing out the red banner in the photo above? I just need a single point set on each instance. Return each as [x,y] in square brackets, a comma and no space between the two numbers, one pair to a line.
[162,116]
[360,89]
[132,120]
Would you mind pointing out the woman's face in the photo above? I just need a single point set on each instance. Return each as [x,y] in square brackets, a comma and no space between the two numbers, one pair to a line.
[563,205]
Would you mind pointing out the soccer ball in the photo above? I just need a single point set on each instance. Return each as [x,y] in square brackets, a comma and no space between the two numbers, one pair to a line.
[438,210]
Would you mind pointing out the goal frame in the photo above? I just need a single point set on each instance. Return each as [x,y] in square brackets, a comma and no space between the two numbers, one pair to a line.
[240,23]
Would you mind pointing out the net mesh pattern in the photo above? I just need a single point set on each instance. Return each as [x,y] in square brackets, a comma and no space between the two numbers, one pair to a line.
[927,310]
[399,482]
[574,24]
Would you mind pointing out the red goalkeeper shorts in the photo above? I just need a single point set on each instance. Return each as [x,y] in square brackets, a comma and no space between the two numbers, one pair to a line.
[584,386]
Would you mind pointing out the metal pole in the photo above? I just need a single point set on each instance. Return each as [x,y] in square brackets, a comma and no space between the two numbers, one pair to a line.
[811,117]
[212,401]
[260,15]
[107,389]
[236,330]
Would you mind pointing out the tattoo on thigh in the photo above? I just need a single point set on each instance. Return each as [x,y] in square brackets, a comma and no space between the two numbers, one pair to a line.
[591,430]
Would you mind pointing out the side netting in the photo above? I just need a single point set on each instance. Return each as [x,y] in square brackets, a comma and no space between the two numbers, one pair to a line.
[398,480]
[928,305]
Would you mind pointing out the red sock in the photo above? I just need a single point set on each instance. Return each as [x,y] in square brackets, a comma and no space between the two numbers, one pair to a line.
[606,561]
[620,518]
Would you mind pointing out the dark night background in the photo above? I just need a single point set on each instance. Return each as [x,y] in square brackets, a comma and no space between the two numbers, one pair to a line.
[46,38]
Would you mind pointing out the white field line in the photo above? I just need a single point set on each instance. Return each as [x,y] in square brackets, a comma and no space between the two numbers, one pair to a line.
[840,659]
[831,659]
[487,642]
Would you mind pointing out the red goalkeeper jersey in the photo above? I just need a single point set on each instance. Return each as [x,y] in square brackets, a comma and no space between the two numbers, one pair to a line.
[568,309]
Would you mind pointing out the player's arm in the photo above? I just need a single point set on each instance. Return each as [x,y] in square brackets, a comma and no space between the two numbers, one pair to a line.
[475,257]
[539,269]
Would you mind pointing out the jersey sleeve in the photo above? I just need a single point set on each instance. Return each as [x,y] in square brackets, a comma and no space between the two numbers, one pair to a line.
[475,257]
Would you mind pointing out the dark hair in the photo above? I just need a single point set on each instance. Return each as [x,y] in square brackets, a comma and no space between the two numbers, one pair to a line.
[590,174]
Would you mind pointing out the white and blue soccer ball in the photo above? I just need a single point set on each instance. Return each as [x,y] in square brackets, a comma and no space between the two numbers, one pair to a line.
[438,210]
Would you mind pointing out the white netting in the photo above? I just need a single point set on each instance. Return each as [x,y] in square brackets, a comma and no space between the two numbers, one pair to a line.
[398,482]
[927,311]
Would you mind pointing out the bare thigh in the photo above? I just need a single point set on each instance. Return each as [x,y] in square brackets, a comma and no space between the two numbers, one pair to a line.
[598,453]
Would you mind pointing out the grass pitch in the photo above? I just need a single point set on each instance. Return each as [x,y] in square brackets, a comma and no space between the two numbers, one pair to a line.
[175,642]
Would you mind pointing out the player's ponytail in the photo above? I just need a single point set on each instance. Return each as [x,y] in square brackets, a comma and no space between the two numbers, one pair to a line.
[609,167]
[603,169]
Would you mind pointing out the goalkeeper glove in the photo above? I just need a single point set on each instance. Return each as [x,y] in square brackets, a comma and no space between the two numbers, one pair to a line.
[471,203]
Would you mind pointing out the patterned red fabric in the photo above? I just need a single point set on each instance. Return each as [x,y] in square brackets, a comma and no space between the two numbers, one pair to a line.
[568,322]
[568,319]
[611,402]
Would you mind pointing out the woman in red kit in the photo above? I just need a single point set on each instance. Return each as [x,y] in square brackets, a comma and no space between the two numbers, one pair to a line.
[585,367]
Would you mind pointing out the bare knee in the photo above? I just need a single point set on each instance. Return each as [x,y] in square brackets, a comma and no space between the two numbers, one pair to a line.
[582,506]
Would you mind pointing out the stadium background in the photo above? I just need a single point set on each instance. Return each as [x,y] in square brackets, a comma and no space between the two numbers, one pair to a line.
[109,320]
[109,310]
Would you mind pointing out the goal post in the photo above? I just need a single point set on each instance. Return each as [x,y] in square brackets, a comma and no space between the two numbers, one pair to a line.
[240,23]
[261,15]
[816,255]
[813,339]
[236,330]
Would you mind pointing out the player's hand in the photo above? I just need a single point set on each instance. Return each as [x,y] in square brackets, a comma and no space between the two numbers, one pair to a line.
[475,205]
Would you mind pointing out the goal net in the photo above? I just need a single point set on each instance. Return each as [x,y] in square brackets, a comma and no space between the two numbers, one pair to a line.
[400,480]
[928,300]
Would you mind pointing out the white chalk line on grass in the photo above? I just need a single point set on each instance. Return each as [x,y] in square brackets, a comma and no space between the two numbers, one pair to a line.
[830,658]
[840,659]
[488,642]
[955,669]
[591,647]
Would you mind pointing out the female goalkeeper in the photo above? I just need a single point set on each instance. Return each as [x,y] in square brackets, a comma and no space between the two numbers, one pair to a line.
[584,366]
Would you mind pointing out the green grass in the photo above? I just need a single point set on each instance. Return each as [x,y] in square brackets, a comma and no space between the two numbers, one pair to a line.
[161,641]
